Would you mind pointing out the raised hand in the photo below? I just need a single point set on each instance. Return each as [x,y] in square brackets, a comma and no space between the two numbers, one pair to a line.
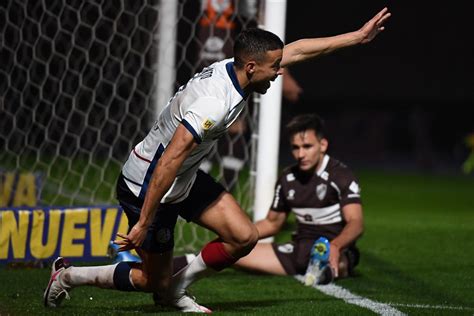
[374,26]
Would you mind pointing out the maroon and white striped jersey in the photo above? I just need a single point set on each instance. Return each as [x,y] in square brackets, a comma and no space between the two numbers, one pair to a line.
[317,199]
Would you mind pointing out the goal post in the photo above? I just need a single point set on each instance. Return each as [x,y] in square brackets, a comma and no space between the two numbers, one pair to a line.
[269,120]
[167,41]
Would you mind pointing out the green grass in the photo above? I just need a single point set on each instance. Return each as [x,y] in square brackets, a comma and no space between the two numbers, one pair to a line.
[419,239]
[418,248]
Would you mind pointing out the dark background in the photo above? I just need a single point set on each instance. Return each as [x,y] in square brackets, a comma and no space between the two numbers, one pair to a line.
[404,100]
[424,55]
[77,79]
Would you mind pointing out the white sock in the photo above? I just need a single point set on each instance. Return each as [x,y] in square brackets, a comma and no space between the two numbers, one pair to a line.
[101,276]
[195,270]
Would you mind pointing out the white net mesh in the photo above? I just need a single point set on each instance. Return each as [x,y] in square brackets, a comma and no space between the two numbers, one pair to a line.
[77,84]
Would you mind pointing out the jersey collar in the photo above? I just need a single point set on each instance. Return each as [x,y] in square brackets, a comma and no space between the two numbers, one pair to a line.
[233,76]
[323,165]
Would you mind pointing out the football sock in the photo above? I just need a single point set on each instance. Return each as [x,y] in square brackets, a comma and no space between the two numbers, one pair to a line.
[182,261]
[212,258]
[216,257]
[123,277]
[101,276]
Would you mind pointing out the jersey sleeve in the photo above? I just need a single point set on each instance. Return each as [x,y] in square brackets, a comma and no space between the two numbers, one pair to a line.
[348,187]
[279,201]
[203,115]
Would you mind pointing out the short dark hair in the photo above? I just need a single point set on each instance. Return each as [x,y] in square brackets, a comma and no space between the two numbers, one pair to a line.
[254,43]
[304,122]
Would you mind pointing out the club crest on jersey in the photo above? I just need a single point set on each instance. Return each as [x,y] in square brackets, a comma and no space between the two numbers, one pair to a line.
[321,191]
[208,123]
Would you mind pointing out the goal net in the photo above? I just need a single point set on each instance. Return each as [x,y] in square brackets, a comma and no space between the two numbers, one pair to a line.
[78,90]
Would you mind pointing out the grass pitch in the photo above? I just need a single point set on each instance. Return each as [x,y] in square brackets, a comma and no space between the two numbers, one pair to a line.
[417,254]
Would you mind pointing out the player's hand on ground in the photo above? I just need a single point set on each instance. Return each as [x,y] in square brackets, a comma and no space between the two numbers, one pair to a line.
[374,26]
[133,240]
[334,256]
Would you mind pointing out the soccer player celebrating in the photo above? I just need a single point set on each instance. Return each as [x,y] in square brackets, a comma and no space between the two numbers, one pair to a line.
[160,180]
[325,197]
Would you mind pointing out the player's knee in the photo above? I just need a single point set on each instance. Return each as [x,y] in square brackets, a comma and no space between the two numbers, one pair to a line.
[343,266]
[343,270]
[247,240]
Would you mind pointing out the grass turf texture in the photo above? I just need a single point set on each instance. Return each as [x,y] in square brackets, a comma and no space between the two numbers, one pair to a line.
[417,249]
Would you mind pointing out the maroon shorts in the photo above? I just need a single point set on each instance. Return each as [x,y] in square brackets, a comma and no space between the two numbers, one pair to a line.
[294,256]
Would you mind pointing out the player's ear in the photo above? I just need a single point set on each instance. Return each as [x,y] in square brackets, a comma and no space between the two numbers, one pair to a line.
[324,144]
[250,67]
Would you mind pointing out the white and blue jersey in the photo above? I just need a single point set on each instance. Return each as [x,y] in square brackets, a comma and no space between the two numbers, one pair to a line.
[207,105]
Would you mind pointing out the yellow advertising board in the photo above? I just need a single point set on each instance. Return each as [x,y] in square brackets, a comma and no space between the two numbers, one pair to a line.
[40,233]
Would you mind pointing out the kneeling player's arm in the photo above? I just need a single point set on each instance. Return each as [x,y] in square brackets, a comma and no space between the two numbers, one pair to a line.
[271,224]
[354,225]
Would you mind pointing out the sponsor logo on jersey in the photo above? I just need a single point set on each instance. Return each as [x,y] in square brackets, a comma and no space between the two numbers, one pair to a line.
[290,177]
[208,123]
[325,175]
[277,196]
[286,248]
[291,195]
[321,191]
[354,187]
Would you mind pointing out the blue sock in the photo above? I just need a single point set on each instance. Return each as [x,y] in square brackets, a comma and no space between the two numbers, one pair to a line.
[122,277]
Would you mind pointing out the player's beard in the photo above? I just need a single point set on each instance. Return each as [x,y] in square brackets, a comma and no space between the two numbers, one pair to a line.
[262,87]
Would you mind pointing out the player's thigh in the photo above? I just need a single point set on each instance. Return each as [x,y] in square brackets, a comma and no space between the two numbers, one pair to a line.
[160,234]
[227,219]
[262,259]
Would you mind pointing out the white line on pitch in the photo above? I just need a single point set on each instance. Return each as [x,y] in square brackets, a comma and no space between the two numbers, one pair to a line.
[431,306]
[348,297]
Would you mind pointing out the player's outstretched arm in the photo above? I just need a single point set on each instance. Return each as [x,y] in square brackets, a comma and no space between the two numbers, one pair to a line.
[304,49]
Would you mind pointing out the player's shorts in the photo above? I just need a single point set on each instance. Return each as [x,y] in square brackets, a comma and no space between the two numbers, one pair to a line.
[294,256]
[160,237]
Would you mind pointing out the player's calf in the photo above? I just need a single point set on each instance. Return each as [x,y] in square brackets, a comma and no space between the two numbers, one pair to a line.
[65,277]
